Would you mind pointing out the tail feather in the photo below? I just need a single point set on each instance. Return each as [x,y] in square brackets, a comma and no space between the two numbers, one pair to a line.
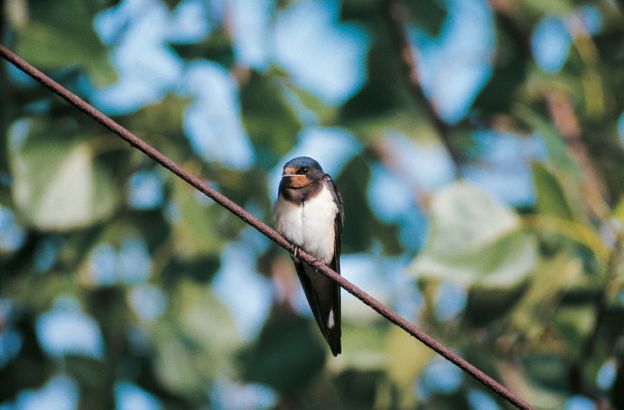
[323,296]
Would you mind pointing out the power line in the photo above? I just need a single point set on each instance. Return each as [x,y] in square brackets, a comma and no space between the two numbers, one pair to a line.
[237,210]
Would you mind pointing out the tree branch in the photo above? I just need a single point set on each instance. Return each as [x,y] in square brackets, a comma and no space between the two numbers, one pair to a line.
[601,307]
[395,15]
[566,123]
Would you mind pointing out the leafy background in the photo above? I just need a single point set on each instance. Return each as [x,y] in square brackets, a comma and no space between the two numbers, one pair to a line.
[123,288]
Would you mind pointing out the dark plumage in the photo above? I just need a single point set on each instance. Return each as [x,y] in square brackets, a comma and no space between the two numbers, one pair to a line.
[309,213]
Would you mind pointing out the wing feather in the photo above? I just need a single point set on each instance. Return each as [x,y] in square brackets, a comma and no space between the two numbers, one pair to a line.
[335,331]
[322,293]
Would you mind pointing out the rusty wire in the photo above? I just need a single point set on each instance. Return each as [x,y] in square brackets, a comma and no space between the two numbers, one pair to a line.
[266,230]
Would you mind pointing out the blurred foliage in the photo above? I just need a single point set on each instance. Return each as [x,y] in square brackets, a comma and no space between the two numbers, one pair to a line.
[544,283]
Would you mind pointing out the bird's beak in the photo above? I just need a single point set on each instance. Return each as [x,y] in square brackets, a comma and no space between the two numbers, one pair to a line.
[294,180]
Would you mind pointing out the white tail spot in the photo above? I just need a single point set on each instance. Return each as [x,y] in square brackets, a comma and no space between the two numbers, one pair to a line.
[330,319]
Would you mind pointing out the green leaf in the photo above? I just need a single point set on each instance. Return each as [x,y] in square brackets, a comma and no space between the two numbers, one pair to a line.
[581,232]
[510,71]
[573,323]
[475,239]
[485,305]
[309,102]
[557,150]
[194,340]
[546,377]
[175,364]
[610,335]
[196,223]
[57,184]
[216,47]
[357,389]
[60,34]
[403,373]
[541,8]
[617,391]
[360,11]
[428,15]
[551,197]
[366,346]
[618,212]
[361,236]
[268,117]
[89,372]
[385,92]
[164,118]
[288,354]
[552,277]
[203,317]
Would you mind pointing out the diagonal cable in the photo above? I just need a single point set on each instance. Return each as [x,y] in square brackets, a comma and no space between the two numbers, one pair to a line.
[237,210]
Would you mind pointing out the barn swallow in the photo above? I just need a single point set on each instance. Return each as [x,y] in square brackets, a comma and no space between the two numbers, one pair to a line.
[309,213]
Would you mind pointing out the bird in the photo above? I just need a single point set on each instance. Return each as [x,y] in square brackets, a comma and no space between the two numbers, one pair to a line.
[309,213]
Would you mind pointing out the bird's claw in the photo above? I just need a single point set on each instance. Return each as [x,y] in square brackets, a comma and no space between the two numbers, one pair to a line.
[317,265]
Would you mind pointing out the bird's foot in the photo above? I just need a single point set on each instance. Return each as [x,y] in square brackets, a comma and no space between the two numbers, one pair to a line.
[295,254]
[317,265]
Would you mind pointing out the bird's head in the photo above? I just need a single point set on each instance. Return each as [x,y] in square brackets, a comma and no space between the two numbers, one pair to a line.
[301,172]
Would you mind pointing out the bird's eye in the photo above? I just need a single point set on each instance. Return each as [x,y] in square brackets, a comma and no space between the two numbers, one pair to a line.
[304,170]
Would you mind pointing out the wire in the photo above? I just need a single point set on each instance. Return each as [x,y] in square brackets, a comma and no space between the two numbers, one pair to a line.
[262,227]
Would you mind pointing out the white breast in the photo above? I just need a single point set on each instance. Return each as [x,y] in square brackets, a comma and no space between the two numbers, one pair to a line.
[310,226]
